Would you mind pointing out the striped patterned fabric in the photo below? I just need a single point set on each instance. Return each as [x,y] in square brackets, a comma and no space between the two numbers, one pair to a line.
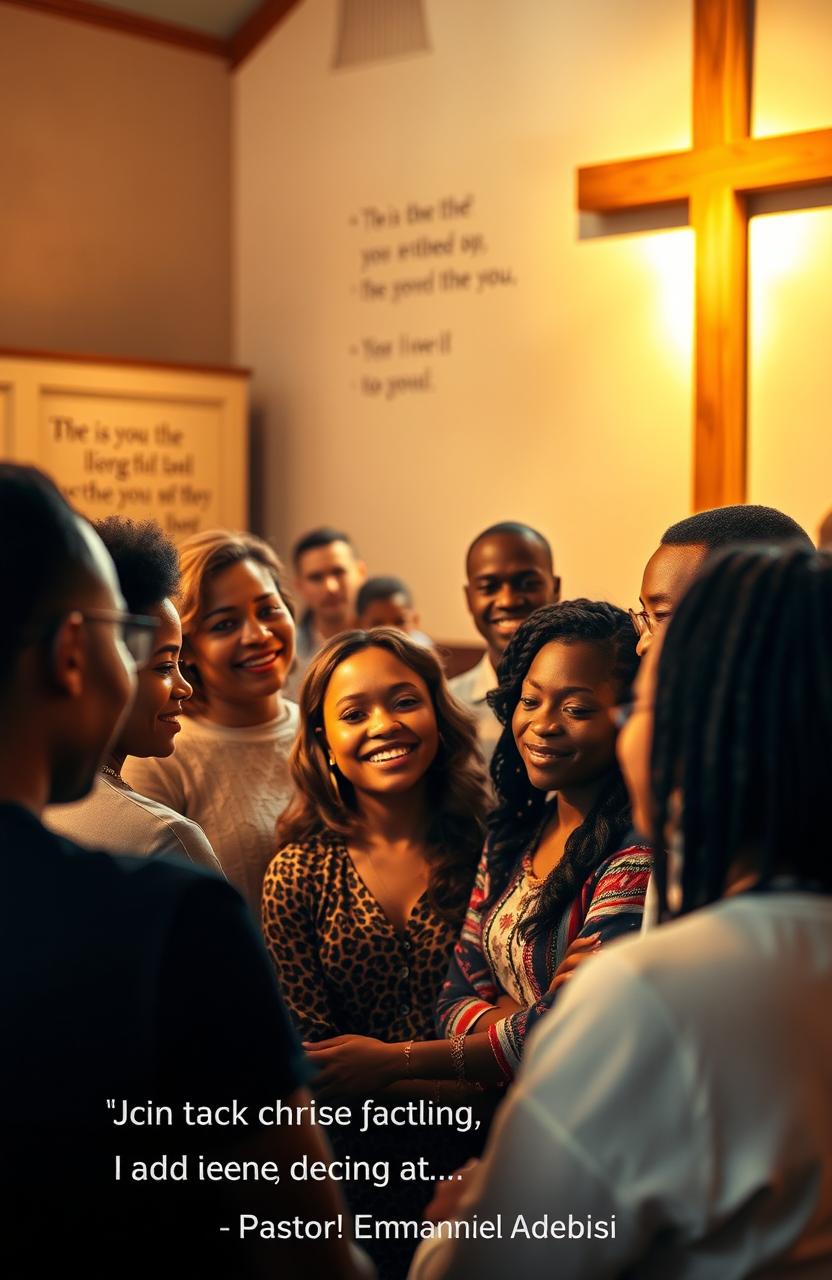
[491,959]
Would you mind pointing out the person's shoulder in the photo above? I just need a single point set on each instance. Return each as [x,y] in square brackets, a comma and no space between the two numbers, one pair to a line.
[159,875]
[95,872]
[634,858]
[674,965]
[28,839]
[289,721]
[173,833]
[618,887]
[612,1000]
[307,863]
[315,851]
[460,685]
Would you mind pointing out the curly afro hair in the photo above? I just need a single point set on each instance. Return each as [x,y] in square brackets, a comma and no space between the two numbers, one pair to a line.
[146,560]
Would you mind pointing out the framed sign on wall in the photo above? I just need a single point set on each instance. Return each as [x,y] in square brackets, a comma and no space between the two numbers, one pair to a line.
[126,438]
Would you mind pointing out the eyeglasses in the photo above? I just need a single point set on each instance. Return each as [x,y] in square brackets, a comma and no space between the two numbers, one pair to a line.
[644,621]
[641,621]
[137,631]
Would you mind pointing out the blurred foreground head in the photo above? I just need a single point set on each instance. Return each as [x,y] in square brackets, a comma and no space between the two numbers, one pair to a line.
[66,676]
[825,532]
[741,745]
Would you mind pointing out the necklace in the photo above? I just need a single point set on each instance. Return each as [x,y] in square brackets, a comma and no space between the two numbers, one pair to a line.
[390,898]
[111,773]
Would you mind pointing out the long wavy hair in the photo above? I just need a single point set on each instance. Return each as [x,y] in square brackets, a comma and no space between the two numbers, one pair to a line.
[457,797]
[520,806]
[201,557]
[743,721]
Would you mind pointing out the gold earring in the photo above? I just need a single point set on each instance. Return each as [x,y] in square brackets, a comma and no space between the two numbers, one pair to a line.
[333,779]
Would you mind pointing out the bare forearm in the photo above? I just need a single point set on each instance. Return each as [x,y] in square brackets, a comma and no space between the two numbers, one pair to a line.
[432,1060]
[503,1007]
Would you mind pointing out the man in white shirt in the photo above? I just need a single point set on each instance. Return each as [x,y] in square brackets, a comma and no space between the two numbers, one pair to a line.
[509,574]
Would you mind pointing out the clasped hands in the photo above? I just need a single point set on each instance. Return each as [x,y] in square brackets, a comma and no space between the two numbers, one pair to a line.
[349,1066]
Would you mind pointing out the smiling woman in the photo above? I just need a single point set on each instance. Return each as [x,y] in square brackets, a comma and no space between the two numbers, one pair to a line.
[230,772]
[363,903]
[379,845]
[561,874]
[114,816]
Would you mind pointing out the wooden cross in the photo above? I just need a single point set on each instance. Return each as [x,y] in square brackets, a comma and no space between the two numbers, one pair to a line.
[723,168]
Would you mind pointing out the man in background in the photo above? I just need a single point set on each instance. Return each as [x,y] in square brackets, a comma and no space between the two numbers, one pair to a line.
[388,602]
[510,573]
[328,574]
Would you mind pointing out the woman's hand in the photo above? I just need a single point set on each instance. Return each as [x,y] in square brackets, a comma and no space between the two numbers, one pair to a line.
[348,1066]
[581,950]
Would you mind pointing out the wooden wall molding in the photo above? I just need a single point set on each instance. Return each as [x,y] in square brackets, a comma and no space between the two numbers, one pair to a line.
[175,366]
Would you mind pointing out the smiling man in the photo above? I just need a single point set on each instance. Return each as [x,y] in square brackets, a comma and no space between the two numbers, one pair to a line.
[509,574]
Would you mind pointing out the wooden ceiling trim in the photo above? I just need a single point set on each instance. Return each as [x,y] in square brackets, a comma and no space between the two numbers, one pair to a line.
[234,50]
[129,24]
[255,29]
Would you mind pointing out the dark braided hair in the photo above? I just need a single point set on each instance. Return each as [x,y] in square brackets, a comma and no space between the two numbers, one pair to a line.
[743,720]
[520,806]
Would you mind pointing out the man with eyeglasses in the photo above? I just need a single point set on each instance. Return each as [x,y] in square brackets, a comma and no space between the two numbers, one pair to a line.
[686,546]
[123,981]
[671,569]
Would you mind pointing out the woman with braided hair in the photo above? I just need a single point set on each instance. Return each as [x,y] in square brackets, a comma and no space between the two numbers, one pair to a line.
[557,879]
[682,1089]
[559,876]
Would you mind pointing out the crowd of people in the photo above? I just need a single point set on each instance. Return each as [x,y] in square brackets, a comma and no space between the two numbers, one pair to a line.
[259,848]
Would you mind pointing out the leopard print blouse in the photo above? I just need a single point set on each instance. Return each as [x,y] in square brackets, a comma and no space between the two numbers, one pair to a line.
[343,967]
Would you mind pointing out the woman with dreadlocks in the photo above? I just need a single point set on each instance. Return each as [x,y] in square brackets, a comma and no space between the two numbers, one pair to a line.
[557,878]
[681,1091]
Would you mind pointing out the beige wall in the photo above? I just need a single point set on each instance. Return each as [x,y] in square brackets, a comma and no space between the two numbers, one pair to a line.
[561,403]
[790,437]
[567,398]
[115,208]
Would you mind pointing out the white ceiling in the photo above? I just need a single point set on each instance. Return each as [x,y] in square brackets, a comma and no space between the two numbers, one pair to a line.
[214,17]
